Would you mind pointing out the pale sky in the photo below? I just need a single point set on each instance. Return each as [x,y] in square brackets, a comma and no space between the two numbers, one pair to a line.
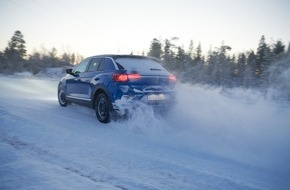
[92,27]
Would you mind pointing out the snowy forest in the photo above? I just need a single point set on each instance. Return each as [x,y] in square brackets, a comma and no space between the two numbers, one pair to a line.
[218,67]
[15,59]
[266,68]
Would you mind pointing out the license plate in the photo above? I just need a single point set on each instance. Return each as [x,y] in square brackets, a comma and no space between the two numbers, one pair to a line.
[156,97]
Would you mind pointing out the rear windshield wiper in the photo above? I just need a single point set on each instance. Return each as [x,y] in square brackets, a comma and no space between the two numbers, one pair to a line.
[155,69]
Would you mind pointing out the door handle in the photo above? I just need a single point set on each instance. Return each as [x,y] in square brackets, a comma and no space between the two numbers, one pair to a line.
[96,79]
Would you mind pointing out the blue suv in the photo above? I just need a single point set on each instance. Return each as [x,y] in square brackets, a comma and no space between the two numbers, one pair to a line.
[110,83]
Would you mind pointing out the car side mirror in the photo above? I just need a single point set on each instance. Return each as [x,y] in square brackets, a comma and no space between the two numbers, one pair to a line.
[70,72]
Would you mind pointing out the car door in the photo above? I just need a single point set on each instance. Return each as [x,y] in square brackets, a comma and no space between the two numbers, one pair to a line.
[99,73]
[89,78]
[74,82]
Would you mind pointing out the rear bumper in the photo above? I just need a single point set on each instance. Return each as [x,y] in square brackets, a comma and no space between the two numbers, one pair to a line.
[156,100]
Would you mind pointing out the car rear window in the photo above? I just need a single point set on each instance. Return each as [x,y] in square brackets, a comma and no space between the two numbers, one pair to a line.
[138,64]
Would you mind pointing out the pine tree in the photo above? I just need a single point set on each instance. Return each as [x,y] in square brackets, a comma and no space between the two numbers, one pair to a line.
[16,49]
[220,66]
[191,50]
[3,64]
[239,72]
[241,62]
[155,49]
[36,63]
[198,52]
[264,55]
[250,70]
[169,55]
[199,72]
[264,58]
[167,47]
[15,52]
[261,51]
[181,59]
[278,48]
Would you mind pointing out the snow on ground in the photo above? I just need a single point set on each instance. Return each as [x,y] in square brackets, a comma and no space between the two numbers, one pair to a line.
[209,140]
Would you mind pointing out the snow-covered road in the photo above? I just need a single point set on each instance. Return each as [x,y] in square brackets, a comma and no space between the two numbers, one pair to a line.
[208,141]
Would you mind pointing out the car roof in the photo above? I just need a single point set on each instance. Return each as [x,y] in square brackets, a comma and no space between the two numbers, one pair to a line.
[116,56]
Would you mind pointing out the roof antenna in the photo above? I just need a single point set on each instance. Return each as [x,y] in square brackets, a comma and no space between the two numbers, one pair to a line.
[131,53]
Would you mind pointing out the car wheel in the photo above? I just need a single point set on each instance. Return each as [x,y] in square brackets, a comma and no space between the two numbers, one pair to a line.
[62,98]
[102,108]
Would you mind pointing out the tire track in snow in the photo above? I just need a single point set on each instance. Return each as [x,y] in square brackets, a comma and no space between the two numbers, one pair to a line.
[53,159]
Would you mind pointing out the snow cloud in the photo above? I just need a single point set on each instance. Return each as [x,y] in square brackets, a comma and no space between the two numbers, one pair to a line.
[237,124]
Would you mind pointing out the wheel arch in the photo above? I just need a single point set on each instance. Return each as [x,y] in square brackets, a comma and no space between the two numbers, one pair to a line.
[100,90]
[61,85]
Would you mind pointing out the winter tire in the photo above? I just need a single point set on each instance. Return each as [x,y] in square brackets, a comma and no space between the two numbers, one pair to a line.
[62,98]
[102,108]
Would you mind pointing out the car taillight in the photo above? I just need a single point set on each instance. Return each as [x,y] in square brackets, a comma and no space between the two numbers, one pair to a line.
[126,77]
[120,77]
[134,76]
[172,78]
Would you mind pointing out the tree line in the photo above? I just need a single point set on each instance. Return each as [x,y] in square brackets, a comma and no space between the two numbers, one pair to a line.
[15,59]
[218,67]
[266,67]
